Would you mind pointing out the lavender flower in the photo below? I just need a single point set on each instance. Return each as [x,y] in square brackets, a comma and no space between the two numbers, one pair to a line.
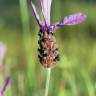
[48,51]
[3,50]
[7,82]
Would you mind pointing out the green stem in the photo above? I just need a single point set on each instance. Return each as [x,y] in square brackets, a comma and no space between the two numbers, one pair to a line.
[25,39]
[47,81]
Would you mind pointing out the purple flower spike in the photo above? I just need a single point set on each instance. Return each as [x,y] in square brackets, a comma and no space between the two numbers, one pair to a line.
[70,20]
[7,82]
[48,49]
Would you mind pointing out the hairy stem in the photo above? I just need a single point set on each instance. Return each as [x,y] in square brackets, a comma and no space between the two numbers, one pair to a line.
[47,81]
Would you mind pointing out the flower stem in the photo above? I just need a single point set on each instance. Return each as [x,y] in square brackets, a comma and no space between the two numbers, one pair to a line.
[47,81]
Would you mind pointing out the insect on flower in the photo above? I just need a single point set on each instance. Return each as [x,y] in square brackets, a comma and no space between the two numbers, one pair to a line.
[48,51]
[7,81]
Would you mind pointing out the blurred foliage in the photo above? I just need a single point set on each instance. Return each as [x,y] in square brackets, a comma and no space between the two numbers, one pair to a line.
[75,74]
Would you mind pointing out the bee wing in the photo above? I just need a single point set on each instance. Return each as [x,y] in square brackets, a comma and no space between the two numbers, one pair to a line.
[74,19]
[46,8]
[35,13]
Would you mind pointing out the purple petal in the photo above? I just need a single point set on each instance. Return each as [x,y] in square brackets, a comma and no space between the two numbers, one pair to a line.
[70,20]
[47,10]
[42,8]
[55,26]
[73,19]
[46,7]
[35,14]
[1,94]
[5,85]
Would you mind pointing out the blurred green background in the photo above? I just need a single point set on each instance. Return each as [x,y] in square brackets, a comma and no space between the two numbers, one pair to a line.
[74,75]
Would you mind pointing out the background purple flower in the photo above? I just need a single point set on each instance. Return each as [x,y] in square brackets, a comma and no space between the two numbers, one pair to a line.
[7,82]
[3,50]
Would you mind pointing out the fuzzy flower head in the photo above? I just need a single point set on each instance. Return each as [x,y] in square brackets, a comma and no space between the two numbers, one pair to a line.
[3,50]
